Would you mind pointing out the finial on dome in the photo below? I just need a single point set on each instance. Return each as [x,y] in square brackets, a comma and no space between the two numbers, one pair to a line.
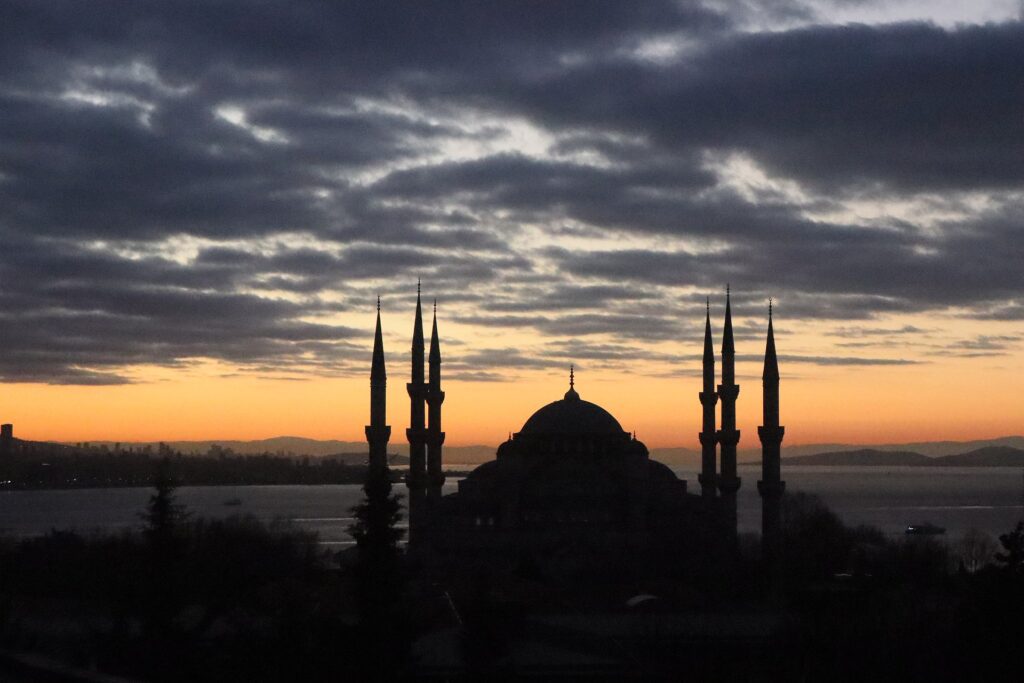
[435,305]
[417,287]
[707,305]
[378,303]
[571,394]
[769,308]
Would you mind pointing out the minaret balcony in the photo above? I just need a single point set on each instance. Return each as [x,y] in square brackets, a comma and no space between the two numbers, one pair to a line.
[728,485]
[771,435]
[415,479]
[377,433]
[728,437]
[728,392]
[771,489]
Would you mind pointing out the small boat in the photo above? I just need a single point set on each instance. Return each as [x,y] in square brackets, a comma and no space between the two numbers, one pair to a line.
[231,502]
[926,529]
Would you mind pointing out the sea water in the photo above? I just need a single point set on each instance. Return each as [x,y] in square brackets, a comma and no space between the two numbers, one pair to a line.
[958,498]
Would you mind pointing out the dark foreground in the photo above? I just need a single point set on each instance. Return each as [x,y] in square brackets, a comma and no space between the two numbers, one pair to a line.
[215,600]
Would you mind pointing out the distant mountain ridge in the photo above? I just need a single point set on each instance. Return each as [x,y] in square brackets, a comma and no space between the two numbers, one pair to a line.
[974,452]
[862,457]
[987,456]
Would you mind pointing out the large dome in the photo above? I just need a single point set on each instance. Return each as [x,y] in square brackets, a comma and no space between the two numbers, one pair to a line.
[572,416]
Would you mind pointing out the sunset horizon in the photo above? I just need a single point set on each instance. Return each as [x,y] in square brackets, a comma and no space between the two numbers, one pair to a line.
[822,396]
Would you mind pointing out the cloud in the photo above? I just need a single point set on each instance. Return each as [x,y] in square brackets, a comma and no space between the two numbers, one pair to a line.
[863,332]
[186,180]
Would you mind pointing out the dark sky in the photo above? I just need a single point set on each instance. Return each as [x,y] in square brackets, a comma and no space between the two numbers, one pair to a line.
[237,180]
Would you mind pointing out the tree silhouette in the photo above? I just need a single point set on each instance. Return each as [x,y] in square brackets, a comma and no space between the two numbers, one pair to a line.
[378,574]
[1013,544]
[163,532]
[163,515]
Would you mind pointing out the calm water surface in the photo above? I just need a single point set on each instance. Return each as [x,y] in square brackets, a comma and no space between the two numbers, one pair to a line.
[989,499]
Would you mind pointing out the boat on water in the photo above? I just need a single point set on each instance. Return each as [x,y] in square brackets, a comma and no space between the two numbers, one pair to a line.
[925,529]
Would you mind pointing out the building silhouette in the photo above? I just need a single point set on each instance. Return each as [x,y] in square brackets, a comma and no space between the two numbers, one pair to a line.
[378,432]
[6,438]
[728,436]
[572,491]
[771,486]
[416,478]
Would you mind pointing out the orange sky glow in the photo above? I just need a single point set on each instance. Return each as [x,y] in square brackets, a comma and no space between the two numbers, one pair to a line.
[941,396]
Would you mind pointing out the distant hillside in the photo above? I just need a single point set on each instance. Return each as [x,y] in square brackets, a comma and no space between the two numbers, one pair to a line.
[1002,451]
[990,456]
[938,449]
[863,457]
[680,457]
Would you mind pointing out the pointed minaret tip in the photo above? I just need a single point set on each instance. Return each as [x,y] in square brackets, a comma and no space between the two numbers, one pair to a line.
[417,328]
[377,371]
[709,349]
[771,360]
[727,341]
[435,342]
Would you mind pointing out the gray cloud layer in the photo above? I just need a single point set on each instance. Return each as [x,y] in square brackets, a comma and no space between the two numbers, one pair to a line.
[184,180]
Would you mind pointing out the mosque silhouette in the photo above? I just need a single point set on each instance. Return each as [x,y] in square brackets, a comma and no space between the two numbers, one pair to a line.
[572,491]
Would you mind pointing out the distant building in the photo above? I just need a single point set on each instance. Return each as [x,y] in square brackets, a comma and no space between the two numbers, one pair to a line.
[572,490]
[6,438]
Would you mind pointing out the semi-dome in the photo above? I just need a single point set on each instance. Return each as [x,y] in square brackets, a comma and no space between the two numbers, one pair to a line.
[572,416]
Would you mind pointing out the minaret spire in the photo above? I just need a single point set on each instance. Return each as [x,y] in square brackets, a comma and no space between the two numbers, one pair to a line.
[377,369]
[708,399]
[416,433]
[771,360]
[728,346]
[728,436]
[435,397]
[771,487]
[435,345]
[378,432]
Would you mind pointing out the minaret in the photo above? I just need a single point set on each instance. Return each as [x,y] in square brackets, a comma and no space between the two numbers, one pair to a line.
[771,486]
[377,432]
[708,399]
[416,479]
[435,397]
[728,435]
